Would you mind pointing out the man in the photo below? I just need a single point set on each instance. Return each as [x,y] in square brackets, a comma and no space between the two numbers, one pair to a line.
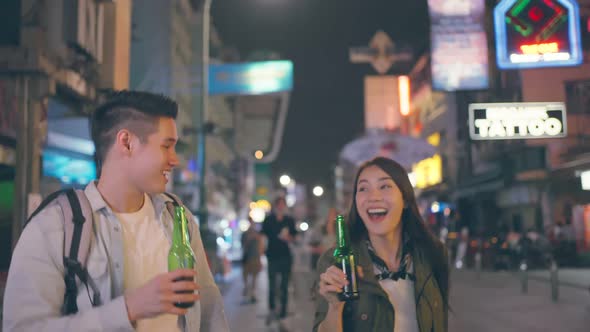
[135,136]
[279,230]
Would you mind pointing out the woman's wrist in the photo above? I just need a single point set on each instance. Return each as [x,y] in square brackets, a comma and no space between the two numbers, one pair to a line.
[335,306]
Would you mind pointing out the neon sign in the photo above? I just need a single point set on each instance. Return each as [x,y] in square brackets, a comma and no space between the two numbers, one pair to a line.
[537,33]
[517,121]
[540,48]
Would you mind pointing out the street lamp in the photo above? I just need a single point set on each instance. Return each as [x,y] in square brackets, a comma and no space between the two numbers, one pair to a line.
[285,180]
[318,191]
[259,154]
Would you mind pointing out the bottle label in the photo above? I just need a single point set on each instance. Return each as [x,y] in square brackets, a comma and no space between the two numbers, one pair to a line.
[348,266]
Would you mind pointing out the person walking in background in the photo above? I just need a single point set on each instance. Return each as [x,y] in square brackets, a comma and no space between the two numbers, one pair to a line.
[135,137]
[323,237]
[279,230]
[253,248]
[403,279]
[462,246]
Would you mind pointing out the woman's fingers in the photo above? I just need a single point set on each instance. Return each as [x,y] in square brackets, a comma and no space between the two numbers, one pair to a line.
[332,278]
[327,288]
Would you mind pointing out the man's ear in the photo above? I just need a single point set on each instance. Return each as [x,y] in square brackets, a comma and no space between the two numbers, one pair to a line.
[123,141]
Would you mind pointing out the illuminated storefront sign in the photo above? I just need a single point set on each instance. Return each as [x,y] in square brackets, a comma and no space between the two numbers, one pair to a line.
[428,172]
[517,120]
[585,177]
[251,78]
[537,33]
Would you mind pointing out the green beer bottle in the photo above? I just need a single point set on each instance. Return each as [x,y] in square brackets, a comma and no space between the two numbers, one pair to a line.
[181,255]
[345,261]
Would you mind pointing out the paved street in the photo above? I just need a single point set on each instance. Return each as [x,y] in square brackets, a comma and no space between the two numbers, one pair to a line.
[253,317]
[495,303]
[492,303]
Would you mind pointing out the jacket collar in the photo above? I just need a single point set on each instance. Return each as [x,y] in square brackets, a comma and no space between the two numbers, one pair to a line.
[98,203]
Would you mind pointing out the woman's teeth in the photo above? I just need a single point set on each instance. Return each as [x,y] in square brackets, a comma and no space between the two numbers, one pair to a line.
[166,174]
[377,212]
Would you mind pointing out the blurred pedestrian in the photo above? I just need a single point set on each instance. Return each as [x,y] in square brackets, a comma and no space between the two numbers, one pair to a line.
[323,237]
[403,269]
[279,230]
[462,246]
[253,248]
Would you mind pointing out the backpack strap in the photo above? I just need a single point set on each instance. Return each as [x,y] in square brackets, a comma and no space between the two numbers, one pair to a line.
[49,199]
[77,239]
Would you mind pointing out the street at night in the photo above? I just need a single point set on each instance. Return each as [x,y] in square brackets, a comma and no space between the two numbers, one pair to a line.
[295,165]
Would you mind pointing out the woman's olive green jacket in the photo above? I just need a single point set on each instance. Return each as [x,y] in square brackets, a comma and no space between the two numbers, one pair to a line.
[373,311]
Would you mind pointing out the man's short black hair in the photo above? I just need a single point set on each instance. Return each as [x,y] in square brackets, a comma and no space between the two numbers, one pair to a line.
[134,110]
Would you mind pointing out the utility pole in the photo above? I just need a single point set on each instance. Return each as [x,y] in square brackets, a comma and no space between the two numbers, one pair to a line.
[202,116]
[29,92]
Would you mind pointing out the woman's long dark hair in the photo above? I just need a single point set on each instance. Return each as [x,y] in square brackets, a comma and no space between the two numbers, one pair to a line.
[431,249]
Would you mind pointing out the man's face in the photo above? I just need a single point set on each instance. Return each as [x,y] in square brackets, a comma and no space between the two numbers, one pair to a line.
[280,206]
[152,161]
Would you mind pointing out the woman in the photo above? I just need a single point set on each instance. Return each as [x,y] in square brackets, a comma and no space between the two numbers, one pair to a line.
[323,237]
[403,271]
[253,248]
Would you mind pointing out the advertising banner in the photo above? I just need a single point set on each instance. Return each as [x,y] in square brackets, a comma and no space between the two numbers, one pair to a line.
[458,44]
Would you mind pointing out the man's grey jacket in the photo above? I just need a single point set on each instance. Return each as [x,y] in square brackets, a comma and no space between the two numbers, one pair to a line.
[35,287]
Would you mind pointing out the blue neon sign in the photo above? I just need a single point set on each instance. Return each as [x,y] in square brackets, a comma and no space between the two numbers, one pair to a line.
[252,78]
[537,33]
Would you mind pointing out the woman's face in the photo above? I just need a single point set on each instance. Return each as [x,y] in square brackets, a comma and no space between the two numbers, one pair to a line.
[379,202]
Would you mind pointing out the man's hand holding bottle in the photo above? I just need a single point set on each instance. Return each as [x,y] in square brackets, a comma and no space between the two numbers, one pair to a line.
[160,294]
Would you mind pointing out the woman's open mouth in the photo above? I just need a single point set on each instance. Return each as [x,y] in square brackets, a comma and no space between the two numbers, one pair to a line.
[377,214]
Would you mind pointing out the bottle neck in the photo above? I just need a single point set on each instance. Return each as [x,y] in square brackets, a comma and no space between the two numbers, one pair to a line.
[342,236]
[180,232]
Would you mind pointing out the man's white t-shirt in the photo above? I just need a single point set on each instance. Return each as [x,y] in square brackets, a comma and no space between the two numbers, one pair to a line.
[146,256]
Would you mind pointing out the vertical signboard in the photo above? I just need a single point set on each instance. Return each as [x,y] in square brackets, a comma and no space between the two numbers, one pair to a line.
[382,103]
[458,44]
[537,33]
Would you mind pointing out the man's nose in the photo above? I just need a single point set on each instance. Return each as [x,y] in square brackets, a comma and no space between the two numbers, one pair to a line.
[174,162]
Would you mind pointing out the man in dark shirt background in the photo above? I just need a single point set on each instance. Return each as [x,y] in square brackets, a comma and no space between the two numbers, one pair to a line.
[279,229]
